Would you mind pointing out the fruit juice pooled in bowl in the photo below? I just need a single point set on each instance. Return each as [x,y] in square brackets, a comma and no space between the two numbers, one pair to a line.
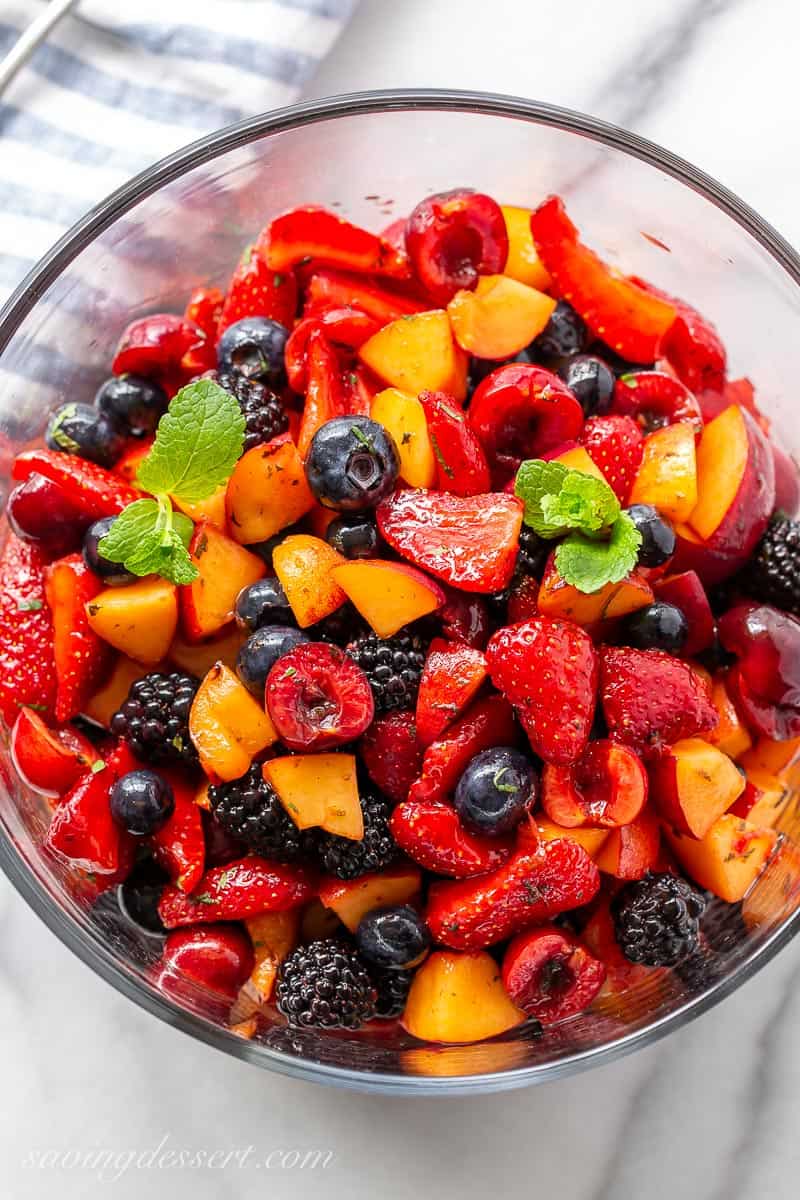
[409,633]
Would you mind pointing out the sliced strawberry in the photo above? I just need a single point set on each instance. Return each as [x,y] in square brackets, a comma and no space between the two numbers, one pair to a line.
[452,675]
[431,833]
[461,465]
[622,314]
[614,444]
[203,309]
[489,722]
[325,398]
[344,326]
[334,289]
[550,975]
[392,753]
[237,890]
[318,697]
[470,542]
[180,844]
[548,670]
[258,290]
[691,345]
[523,602]
[454,237]
[360,389]
[312,232]
[155,345]
[27,673]
[532,887]
[81,657]
[465,619]
[49,760]
[651,699]
[91,490]
[83,830]
[654,399]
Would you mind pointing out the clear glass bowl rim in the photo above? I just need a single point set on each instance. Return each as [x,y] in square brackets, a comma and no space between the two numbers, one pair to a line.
[92,950]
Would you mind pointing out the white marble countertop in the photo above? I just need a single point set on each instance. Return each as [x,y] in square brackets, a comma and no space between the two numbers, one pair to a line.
[709,1114]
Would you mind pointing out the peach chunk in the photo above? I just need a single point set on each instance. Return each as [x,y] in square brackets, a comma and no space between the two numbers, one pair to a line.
[694,783]
[140,619]
[500,317]
[210,511]
[227,725]
[304,565]
[764,800]
[523,262]
[729,859]
[224,568]
[388,595]
[351,899]
[576,458]
[267,491]
[557,598]
[274,936]
[418,353]
[730,735]
[319,789]
[458,997]
[114,692]
[584,835]
[632,850]
[198,658]
[403,417]
[667,476]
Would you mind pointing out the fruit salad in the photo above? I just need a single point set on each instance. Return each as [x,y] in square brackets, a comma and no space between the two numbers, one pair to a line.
[408,635]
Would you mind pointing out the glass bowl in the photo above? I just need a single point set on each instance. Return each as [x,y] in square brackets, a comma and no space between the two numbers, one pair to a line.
[371,157]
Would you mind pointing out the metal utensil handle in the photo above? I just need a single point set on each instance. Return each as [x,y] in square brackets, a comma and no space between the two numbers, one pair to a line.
[30,38]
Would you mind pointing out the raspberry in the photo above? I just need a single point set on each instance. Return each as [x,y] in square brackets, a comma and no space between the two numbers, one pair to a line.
[348,859]
[657,920]
[249,809]
[154,720]
[264,414]
[773,573]
[393,667]
[325,985]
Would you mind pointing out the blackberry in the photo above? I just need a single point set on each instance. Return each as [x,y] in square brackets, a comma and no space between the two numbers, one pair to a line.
[250,811]
[325,985]
[264,414]
[346,858]
[154,720]
[392,988]
[657,919]
[533,552]
[339,628]
[393,667]
[773,573]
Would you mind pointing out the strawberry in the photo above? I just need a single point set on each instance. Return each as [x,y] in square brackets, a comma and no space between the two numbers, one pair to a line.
[392,753]
[240,889]
[360,389]
[460,461]
[489,722]
[452,674]
[621,313]
[343,326]
[81,657]
[691,345]
[27,674]
[257,290]
[651,699]
[614,444]
[312,232]
[465,619]
[431,833]
[470,542]
[547,668]
[92,491]
[325,397]
[216,959]
[523,602]
[83,830]
[154,346]
[335,289]
[179,845]
[203,309]
[655,399]
[49,760]
[533,886]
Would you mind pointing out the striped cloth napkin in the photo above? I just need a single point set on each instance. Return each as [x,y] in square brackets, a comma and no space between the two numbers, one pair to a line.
[117,85]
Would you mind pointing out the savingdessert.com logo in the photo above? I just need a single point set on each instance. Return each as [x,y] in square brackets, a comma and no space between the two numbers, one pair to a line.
[109,1165]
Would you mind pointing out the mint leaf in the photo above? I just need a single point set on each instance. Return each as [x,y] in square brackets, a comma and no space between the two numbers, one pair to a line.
[199,440]
[148,538]
[584,503]
[536,479]
[589,564]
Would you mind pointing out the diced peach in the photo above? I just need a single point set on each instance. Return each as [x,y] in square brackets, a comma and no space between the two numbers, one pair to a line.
[199,658]
[319,789]
[667,476]
[764,800]
[210,511]
[693,784]
[729,859]
[459,998]
[140,619]
[304,565]
[778,758]
[576,458]
[114,692]
[442,1062]
[730,735]
[267,491]
[318,519]
[584,835]
[418,353]
[404,418]
[632,850]
[523,262]
[224,568]
[351,899]
[557,598]
[201,796]
[274,936]
[127,465]
[388,595]
[227,725]
[500,317]
[777,895]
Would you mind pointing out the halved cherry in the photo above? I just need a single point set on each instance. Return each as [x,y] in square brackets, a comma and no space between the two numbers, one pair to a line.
[155,345]
[345,326]
[550,975]
[521,411]
[606,787]
[452,238]
[50,760]
[655,399]
[218,958]
[318,697]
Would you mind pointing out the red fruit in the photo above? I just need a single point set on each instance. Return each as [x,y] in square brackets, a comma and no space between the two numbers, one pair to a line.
[614,444]
[27,673]
[49,760]
[180,844]
[39,512]
[651,699]
[90,490]
[547,668]
[83,830]
[654,399]
[489,722]
[360,389]
[257,290]
[532,887]
[521,411]
[204,308]
[221,846]
[325,397]
[523,603]
[392,753]
[470,542]
[465,619]
[311,232]
[687,593]
[691,345]
[617,310]
[431,833]
[787,482]
[550,975]
[452,675]
[632,850]
[155,345]
[461,466]
[218,958]
[81,657]
[454,237]
[344,326]
[318,698]
[606,787]
[237,890]
[765,686]
[335,289]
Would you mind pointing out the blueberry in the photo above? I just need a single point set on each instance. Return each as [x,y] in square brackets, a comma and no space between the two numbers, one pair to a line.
[354,535]
[80,429]
[658,538]
[254,347]
[263,603]
[496,790]
[352,463]
[261,651]
[393,937]
[564,334]
[660,626]
[138,897]
[133,403]
[141,802]
[112,573]
[591,381]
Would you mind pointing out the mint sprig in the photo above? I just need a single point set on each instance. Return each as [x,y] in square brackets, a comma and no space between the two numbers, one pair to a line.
[589,564]
[197,445]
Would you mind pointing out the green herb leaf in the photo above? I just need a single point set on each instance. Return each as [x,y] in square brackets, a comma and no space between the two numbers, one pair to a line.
[558,499]
[30,605]
[536,479]
[589,564]
[97,766]
[57,434]
[148,538]
[498,782]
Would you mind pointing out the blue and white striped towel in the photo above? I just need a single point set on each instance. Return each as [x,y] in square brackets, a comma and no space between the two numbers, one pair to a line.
[118,85]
